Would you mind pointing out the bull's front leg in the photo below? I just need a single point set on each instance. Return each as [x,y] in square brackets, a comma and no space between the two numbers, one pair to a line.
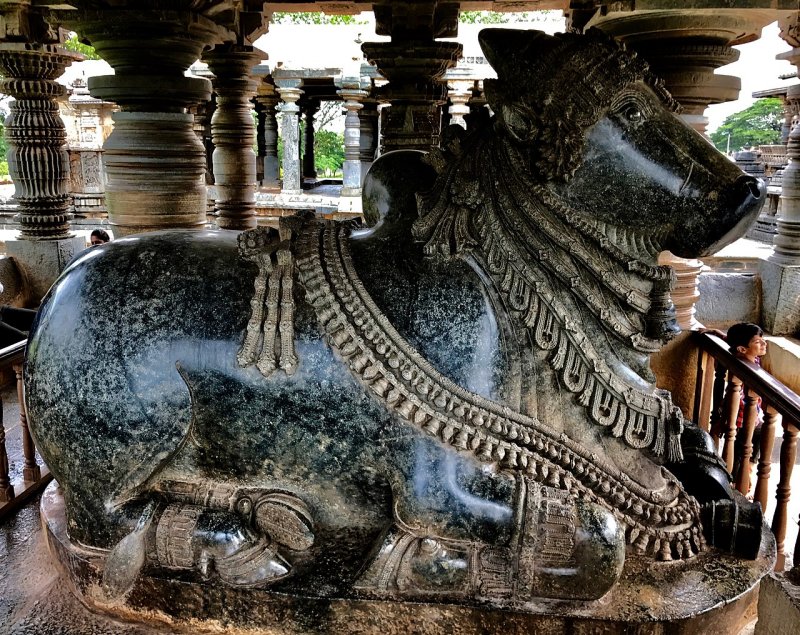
[216,530]
[462,530]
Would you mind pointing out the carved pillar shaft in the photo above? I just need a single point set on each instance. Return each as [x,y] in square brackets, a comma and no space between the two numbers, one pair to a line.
[260,143]
[290,92]
[352,95]
[780,274]
[37,154]
[786,243]
[155,163]
[368,135]
[234,135]
[270,150]
[309,169]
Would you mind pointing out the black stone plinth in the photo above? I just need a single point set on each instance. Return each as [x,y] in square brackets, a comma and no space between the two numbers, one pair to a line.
[709,594]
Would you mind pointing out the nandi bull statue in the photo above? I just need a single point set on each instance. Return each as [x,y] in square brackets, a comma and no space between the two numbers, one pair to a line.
[454,404]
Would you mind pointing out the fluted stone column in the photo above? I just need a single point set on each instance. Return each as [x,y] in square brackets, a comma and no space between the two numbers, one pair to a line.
[290,92]
[268,102]
[234,134]
[38,161]
[780,274]
[415,92]
[155,164]
[459,90]
[352,94]
[37,153]
[309,168]
[685,48]
[261,146]
[368,135]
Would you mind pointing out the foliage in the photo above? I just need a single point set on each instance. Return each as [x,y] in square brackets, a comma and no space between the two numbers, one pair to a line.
[314,18]
[760,124]
[75,45]
[494,17]
[328,152]
[3,169]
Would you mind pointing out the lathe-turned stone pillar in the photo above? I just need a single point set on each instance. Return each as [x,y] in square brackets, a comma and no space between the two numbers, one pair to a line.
[268,100]
[459,91]
[309,167]
[414,91]
[780,274]
[37,153]
[155,164]
[352,94]
[234,134]
[685,48]
[368,135]
[290,92]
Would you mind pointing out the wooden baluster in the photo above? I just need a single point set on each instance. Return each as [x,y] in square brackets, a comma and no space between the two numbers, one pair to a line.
[731,412]
[747,429]
[718,400]
[6,488]
[704,388]
[771,417]
[784,491]
[31,471]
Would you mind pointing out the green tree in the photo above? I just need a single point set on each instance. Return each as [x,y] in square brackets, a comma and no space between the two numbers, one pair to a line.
[76,46]
[760,124]
[328,152]
[314,18]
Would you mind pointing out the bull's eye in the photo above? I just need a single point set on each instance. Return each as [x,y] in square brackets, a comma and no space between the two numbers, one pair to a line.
[633,114]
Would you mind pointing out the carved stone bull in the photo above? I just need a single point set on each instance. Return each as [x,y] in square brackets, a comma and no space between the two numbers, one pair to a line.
[455,403]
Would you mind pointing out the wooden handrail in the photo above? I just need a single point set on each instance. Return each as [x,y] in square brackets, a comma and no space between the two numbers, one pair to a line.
[34,477]
[780,404]
[753,376]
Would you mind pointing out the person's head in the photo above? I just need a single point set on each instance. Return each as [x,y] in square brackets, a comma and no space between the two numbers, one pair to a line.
[99,237]
[747,341]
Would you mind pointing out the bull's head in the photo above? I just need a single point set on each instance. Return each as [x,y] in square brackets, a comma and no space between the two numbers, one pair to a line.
[591,122]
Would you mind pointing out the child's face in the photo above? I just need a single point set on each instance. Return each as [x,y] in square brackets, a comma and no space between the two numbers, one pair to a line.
[756,347]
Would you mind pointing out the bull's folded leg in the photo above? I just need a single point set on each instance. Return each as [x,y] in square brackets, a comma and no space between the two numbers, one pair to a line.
[730,522]
[209,540]
[561,548]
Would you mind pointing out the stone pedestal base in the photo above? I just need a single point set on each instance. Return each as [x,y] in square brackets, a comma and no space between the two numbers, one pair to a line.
[43,261]
[778,606]
[781,289]
[350,204]
[711,594]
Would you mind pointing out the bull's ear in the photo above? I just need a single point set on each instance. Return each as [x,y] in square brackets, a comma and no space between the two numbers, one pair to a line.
[511,50]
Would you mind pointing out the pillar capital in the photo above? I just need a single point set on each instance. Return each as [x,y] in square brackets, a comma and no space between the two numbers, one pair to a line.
[414,90]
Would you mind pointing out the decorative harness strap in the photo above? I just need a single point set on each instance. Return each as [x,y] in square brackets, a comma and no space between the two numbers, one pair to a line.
[662,523]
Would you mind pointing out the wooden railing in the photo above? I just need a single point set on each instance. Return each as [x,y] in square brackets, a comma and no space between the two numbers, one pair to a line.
[721,378]
[33,477]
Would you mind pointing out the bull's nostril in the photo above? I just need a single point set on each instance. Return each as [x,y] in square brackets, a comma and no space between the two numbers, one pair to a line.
[752,186]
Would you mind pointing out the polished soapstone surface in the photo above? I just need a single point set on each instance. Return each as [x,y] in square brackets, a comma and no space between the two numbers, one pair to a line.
[450,405]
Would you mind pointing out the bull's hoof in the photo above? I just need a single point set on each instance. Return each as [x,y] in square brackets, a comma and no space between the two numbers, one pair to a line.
[192,537]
